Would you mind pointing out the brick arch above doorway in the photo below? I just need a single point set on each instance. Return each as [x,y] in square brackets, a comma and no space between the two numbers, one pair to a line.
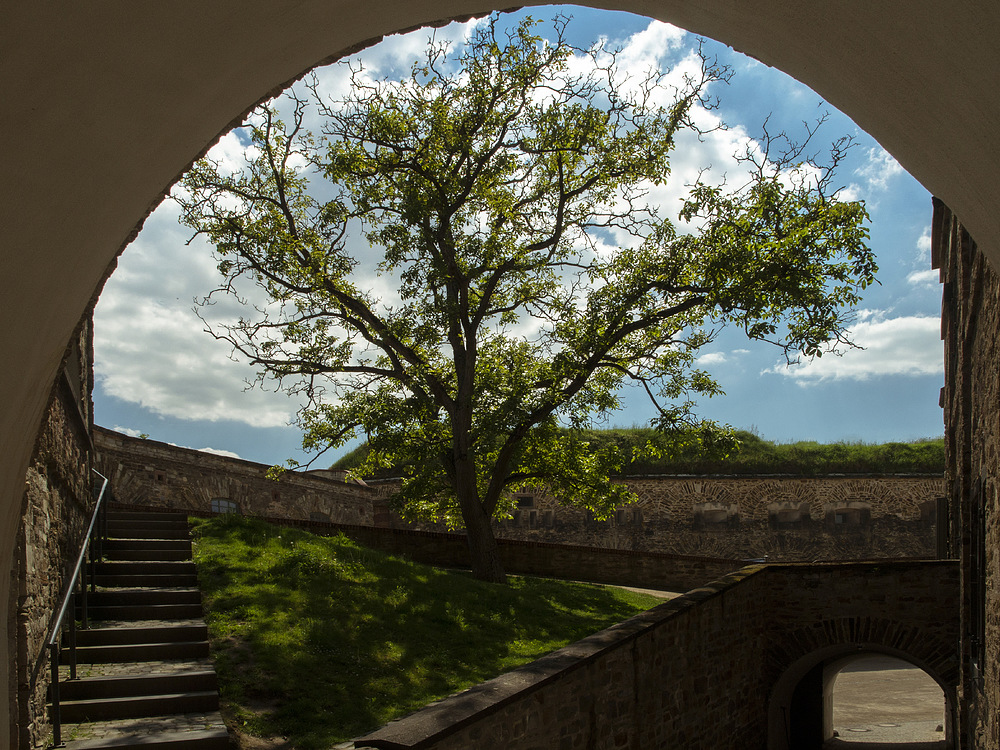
[800,707]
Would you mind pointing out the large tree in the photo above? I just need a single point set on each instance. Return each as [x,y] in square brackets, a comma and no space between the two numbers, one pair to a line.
[504,189]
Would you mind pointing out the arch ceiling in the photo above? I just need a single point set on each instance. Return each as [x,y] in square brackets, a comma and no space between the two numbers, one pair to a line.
[105,104]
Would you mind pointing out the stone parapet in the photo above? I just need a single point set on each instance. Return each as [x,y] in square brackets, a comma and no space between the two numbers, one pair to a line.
[700,671]
[160,475]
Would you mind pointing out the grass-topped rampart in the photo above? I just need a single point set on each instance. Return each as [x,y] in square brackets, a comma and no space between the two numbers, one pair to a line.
[757,456]
[318,639]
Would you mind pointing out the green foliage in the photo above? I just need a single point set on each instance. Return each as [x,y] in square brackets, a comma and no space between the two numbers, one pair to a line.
[752,455]
[319,639]
[494,185]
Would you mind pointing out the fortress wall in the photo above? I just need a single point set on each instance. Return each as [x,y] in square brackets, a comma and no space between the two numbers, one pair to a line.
[783,518]
[159,475]
[971,399]
[698,671]
[55,511]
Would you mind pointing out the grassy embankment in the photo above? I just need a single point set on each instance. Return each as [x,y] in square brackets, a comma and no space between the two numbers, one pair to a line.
[318,639]
[757,456]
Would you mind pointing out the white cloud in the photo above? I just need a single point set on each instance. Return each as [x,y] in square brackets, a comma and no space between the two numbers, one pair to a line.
[924,247]
[880,169]
[930,277]
[906,346]
[711,358]
[219,452]
[150,347]
[126,431]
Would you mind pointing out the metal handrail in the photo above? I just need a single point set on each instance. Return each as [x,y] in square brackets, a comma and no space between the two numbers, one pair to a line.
[93,545]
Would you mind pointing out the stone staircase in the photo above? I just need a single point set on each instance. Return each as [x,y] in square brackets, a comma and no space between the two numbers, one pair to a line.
[144,677]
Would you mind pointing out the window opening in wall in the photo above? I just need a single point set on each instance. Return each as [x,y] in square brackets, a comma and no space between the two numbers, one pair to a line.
[222,505]
[884,700]
[525,501]
[841,518]
[715,516]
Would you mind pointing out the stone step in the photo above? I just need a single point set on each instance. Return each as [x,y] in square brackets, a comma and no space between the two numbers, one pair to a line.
[127,530]
[123,686]
[123,580]
[148,555]
[114,545]
[203,739]
[76,711]
[136,652]
[144,676]
[160,521]
[143,611]
[138,567]
[138,668]
[147,515]
[133,596]
[117,636]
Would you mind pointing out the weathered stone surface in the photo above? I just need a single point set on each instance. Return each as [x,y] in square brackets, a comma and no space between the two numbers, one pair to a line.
[155,474]
[699,671]
[970,326]
[777,517]
[55,511]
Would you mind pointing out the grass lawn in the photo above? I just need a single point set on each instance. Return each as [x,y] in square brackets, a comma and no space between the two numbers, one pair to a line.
[318,639]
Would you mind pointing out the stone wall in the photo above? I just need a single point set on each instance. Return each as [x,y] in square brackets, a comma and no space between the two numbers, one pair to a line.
[700,671]
[971,399]
[55,512]
[775,517]
[159,475]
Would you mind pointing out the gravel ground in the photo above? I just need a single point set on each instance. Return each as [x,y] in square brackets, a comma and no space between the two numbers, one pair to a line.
[886,703]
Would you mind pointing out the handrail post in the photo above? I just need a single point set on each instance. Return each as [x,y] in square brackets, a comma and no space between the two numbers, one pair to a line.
[83,606]
[72,649]
[54,694]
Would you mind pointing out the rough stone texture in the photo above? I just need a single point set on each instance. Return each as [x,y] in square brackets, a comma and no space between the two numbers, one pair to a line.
[699,671]
[777,517]
[56,509]
[158,475]
[971,399]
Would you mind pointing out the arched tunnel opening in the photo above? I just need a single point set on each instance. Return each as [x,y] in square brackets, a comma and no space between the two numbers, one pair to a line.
[884,700]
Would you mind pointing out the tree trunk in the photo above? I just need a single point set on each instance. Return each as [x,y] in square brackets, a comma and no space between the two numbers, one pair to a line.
[486,562]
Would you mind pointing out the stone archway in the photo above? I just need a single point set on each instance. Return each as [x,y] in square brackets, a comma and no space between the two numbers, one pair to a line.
[106,104]
[801,702]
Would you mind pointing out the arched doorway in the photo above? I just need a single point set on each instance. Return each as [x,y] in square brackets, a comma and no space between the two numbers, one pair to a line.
[875,698]
[803,708]
[109,103]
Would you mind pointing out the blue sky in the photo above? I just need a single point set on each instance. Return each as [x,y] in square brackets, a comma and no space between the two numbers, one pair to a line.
[158,373]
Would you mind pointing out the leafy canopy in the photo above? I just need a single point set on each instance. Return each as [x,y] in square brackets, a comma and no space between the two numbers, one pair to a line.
[503,188]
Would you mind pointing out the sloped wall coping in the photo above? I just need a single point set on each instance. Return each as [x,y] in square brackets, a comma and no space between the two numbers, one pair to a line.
[448,715]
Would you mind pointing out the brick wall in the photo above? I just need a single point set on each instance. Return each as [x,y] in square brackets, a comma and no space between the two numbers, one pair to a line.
[159,475]
[55,511]
[699,671]
[971,400]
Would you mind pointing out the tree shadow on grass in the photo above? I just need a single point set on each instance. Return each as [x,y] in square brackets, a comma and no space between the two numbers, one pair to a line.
[336,639]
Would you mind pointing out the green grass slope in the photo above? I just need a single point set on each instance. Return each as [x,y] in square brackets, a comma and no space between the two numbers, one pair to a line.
[318,639]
